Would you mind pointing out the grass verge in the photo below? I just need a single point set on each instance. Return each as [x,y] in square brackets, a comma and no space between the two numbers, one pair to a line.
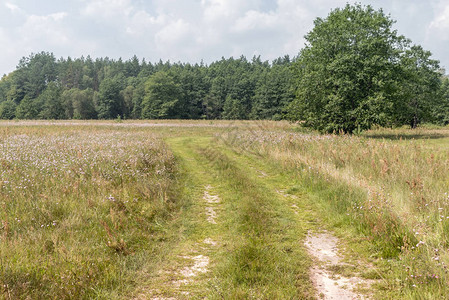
[83,213]
[390,193]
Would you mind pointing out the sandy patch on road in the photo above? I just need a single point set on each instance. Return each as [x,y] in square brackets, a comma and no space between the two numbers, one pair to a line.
[211,200]
[176,280]
[323,247]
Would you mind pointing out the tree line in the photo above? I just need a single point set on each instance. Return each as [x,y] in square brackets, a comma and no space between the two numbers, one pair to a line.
[354,72]
[45,88]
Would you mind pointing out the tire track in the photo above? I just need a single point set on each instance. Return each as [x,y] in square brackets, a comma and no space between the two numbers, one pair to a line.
[193,264]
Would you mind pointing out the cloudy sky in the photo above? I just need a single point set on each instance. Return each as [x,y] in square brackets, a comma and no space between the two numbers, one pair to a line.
[192,30]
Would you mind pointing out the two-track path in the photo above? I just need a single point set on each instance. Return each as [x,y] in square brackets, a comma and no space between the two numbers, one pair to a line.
[244,236]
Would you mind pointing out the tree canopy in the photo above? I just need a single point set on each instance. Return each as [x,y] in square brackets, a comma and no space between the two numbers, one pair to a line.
[45,88]
[356,71]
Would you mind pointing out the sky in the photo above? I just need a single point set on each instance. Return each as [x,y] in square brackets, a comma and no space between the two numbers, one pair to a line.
[193,30]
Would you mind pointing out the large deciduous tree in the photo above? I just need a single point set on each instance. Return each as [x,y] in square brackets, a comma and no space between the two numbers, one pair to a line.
[34,73]
[350,73]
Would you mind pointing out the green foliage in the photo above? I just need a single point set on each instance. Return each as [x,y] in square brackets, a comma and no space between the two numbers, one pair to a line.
[110,101]
[214,100]
[128,103]
[354,71]
[440,111]
[27,109]
[162,97]
[233,109]
[34,73]
[7,87]
[232,80]
[273,93]
[194,86]
[79,104]
[104,88]
[7,110]
[421,86]
[137,98]
[52,104]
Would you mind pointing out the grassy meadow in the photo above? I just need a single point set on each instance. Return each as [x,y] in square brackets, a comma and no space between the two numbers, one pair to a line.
[113,210]
[388,187]
[80,208]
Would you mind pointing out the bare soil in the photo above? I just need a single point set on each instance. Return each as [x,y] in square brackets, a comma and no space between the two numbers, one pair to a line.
[323,247]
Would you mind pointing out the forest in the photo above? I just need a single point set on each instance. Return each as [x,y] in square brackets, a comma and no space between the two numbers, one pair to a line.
[45,88]
[355,72]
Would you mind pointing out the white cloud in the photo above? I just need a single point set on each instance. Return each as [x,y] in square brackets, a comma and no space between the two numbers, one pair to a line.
[58,16]
[7,50]
[44,28]
[191,30]
[36,33]
[256,20]
[275,32]
[440,23]
[215,9]
[225,10]
[12,7]
[142,23]
[176,39]
[108,8]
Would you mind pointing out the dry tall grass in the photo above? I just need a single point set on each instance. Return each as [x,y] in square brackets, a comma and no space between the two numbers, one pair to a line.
[81,209]
[393,184]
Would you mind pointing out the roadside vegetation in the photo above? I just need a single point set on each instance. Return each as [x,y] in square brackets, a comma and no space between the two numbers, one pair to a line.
[83,210]
[197,209]
[389,187]
[208,208]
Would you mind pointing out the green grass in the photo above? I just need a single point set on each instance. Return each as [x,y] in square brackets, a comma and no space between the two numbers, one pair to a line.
[262,256]
[391,192]
[82,211]
[111,210]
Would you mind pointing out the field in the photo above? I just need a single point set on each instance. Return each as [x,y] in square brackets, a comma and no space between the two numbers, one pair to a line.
[221,210]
